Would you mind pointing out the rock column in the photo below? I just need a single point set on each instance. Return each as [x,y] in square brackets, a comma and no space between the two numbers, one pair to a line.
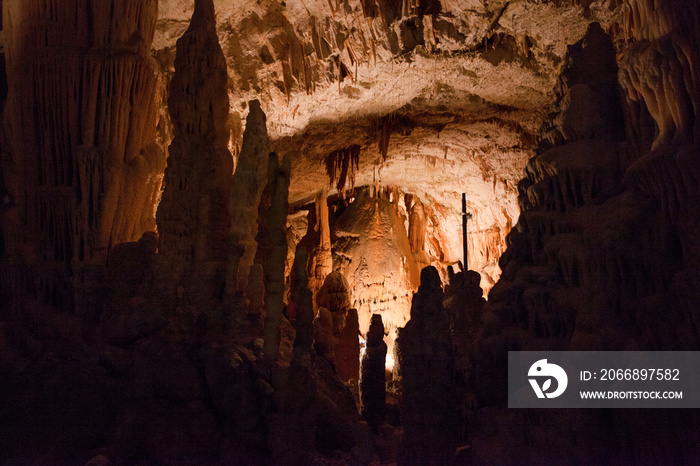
[372,380]
[193,217]
[429,409]
[85,169]
[278,185]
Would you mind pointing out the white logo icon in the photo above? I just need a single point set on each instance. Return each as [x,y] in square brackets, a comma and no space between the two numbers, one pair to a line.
[543,369]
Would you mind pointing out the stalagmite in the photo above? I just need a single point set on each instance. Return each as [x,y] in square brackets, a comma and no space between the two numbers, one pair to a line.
[335,297]
[278,182]
[347,348]
[417,227]
[324,343]
[429,407]
[323,257]
[372,380]
[193,217]
[292,424]
[246,189]
[303,342]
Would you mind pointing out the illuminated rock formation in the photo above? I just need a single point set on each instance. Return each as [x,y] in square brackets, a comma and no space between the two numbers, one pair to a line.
[334,296]
[318,242]
[373,253]
[85,168]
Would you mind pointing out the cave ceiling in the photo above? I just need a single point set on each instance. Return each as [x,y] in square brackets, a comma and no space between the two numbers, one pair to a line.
[455,90]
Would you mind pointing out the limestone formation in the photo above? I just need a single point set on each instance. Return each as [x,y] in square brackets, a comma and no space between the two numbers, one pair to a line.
[86,171]
[318,242]
[193,216]
[303,342]
[372,251]
[417,226]
[372,380]
[334,296]
[125,351]
[429,409]
[347,348]
[601,249]
[246,188]
[278,183]
[324,341]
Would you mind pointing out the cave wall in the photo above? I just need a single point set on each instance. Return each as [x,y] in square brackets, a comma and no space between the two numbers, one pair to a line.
[603,256]
[608,208]
[81,166]
[81,118]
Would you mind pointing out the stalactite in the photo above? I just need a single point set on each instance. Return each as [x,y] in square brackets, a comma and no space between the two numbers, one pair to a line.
[386,126]
[278,182]
[341,165]
[369,8]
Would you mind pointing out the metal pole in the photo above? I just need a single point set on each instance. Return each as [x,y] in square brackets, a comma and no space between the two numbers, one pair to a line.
[464,231]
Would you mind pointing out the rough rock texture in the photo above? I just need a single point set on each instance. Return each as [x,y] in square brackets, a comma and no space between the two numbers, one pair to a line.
[443,94]
[347,349]
[103,358]
[334,296]
[278,184]
[603,256]
[429,407]
[324,341]
[373,253]
[372,379]
[247,187]
[193,216]
[136,355]
[304,338]
[318,241]
[81,168]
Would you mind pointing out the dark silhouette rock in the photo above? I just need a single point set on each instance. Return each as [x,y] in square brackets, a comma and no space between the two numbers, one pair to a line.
[373,378]
[429,407]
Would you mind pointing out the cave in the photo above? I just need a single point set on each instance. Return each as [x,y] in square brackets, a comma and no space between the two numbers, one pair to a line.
[310,232]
